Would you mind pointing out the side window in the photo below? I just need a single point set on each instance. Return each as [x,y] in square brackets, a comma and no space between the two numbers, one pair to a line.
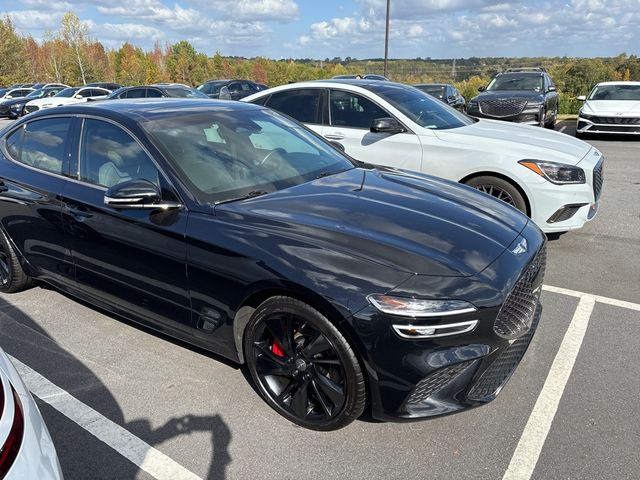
[84,93]
[353,110]
[109,155]
[234,87]
[303,105]
[153,93]
[43,145]
[135,93]
[13,143]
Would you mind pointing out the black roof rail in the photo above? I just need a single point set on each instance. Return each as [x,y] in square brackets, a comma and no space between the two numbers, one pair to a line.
[525,69]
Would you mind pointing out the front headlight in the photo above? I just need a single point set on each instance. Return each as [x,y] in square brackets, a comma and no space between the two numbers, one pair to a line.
[16,106]
[586,116]
[558,173]
[420,308]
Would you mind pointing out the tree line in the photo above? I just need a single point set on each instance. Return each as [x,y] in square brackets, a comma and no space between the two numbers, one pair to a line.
[69,55]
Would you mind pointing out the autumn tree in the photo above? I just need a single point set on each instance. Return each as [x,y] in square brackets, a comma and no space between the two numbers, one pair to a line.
[74,33]
[12,66]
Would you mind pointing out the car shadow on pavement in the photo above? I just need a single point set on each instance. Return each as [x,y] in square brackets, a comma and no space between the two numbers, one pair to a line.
[81,455]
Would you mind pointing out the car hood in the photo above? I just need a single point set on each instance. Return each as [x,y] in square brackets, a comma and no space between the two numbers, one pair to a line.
[622,107]
[504,94]
[410,222]
[521,141]
[13,101]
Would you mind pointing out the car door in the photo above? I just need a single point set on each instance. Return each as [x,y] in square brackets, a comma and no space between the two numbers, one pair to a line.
[350,118]
[134,93]
[31,182]
[129,259]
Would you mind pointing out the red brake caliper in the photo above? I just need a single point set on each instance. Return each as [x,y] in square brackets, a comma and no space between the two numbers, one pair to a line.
[277,349]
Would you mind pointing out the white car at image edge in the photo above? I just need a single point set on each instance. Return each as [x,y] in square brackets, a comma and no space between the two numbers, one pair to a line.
[610,108]
[67,96]
[554,178]
[26,449]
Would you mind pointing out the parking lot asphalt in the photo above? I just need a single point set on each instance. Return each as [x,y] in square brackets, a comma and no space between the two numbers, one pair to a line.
[124,403]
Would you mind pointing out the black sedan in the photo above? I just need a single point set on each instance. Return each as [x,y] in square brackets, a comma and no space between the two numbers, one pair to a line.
[232,227]
[156,91]
[444,92]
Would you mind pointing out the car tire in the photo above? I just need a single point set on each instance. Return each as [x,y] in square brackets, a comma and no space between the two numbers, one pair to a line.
[12,276]
[552,123]
[303,366]
[501,189]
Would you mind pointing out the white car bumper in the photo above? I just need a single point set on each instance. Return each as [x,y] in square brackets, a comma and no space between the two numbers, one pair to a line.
[37,457]
[560,208]
[618,125]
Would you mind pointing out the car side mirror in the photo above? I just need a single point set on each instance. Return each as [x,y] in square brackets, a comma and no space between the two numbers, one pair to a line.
[482,88]
[337,144]
[552,89]
[386,125]
[139,194]
[451,98]
[9,96]
[79,97]
[582,98]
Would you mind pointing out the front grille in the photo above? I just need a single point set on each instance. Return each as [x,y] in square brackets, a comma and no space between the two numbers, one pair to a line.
[497,374]
[502,108]
[616,120]
[615,129]
[435,382]
[598,179]
[517,312]
[30,108]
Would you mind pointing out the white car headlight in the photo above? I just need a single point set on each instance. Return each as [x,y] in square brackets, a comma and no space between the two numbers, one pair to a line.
[558,173]
[419,308]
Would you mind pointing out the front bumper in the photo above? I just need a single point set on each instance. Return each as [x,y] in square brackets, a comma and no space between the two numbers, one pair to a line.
[527,116]
[617,125]
[417,378]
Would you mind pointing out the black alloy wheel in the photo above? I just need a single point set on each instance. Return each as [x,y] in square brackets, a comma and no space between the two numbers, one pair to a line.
[303,366]
[12,277]
[500,189]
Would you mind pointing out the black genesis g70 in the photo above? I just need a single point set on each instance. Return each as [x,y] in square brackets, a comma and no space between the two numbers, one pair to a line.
[339,284]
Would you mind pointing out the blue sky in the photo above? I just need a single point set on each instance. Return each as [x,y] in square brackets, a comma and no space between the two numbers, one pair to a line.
[330,28]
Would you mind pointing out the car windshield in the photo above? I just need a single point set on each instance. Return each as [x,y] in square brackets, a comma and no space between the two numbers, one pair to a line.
[516,82]
[437,91]
[67,92]
[37,93]
[181,92]
[615,92]
[421,107]
[227,154]
[211,88]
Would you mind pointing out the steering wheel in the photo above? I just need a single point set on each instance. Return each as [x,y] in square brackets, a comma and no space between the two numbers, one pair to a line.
[279,150]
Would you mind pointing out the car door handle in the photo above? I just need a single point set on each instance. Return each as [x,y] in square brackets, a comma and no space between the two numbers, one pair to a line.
[79,213]
[334,136]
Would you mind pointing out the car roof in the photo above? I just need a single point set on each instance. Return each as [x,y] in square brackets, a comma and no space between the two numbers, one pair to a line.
[432,84]
[147,108]
[521,74]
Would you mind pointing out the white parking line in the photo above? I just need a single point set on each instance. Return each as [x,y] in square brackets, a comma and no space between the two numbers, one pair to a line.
[535,432]
[143,455]
[563,128]
[609,301]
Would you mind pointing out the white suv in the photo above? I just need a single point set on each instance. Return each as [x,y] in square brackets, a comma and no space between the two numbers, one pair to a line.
[554,178]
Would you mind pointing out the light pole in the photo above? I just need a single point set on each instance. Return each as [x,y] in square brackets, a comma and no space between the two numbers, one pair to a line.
[386,40]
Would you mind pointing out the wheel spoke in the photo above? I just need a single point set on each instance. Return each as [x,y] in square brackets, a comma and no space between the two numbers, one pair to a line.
[331,389]
[265,352]
[286,391]
[317,344]
[328,361]
[300,400]
[321,398]
[268,365]
[282,331]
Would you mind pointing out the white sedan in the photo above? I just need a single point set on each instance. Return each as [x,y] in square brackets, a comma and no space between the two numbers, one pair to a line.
[611,107]
[26,450]
[554,178]
[67,97]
